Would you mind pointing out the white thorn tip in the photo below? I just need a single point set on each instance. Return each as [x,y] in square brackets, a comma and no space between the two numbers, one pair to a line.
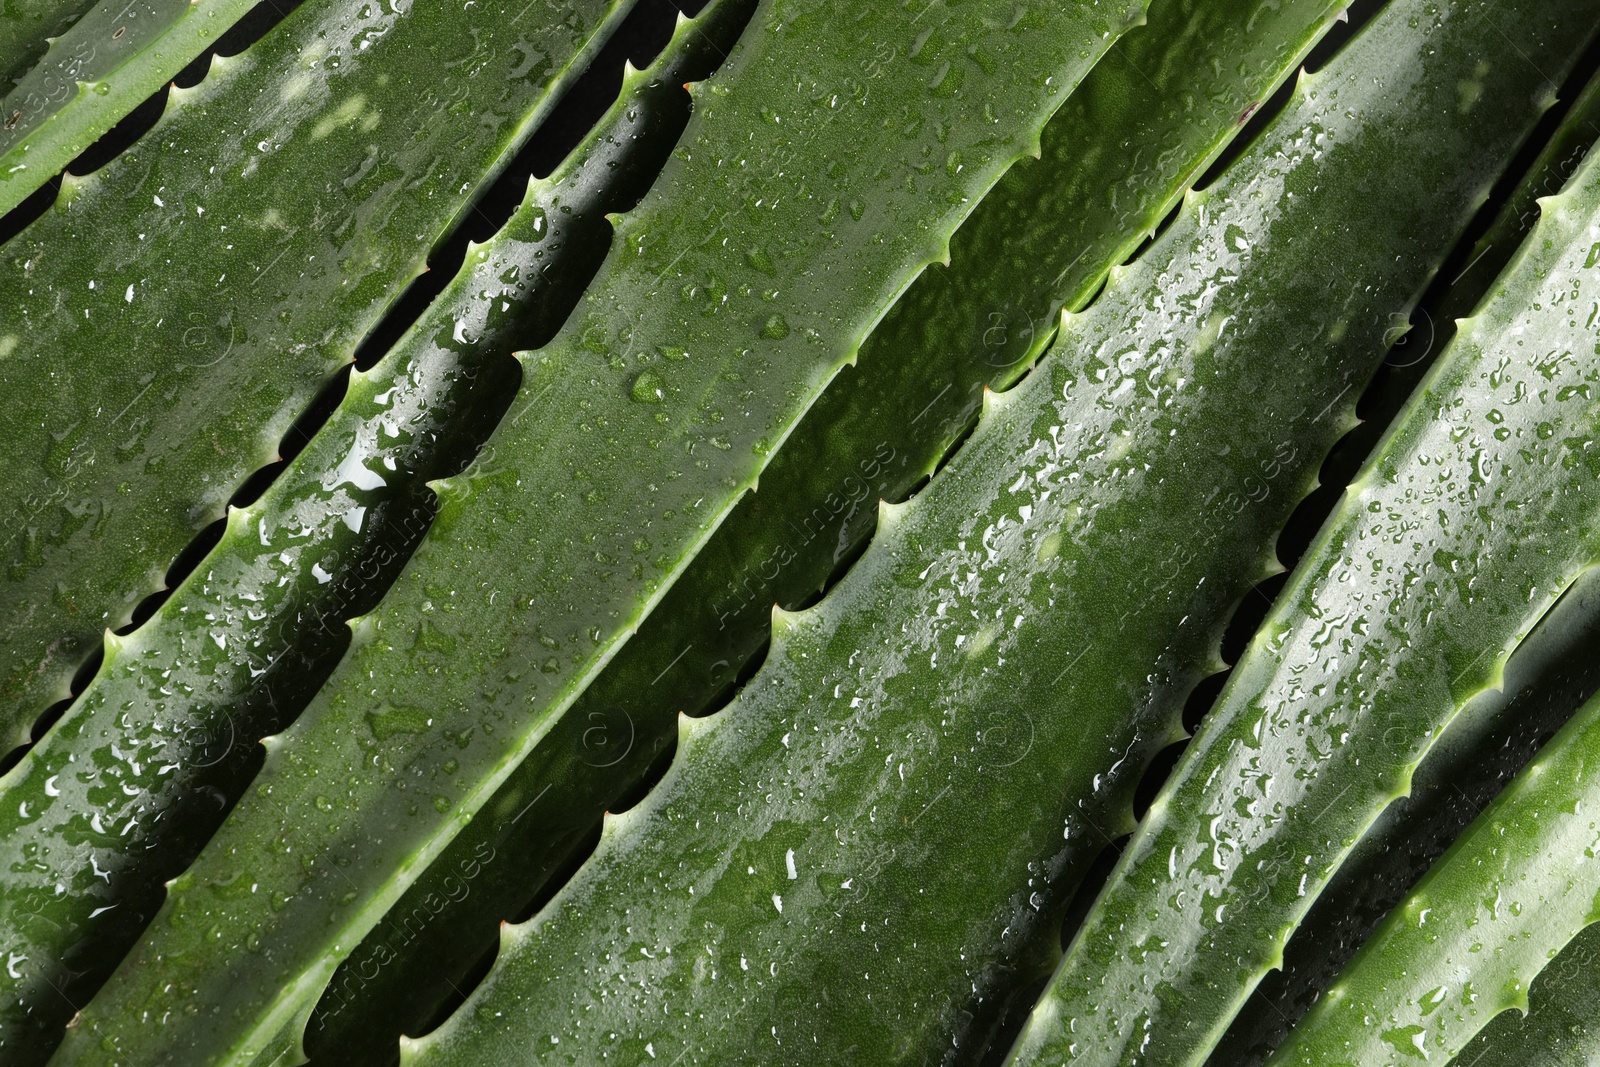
[783,619]
[687,728]
[993,401]
[890,515]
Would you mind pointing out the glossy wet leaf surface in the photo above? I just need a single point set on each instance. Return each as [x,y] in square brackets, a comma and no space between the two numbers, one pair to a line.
[568,527]
[332,162]
[914,727]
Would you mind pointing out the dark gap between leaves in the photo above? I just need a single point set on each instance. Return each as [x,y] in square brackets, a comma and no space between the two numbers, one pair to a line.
[1236,634]
[1084,895]
[741,678]
[1421,827]
[1155,776]
[646,30]
[1089,301]
[848,559]
[624,801]
[255,24]
[195,551]
[1009,1027]
[1157,232]
[558,879]
[1088,891]
[1254,122]
[481,968]
[1408,362]
[1412,357]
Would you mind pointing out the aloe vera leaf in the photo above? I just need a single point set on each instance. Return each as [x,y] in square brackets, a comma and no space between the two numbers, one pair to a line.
[405,970]
[1493,738]
[1520,883]
[1043,240]
[1404,608]
[97,71]
[551,549]
[335,156]
[26,27]
[1546,175]
[1090,199]
[859,853]
[1552,672]
[1559,1029]
[182,698]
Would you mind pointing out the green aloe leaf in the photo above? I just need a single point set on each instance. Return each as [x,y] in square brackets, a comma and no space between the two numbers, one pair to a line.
[1490,741]
[1485,746]
[869,847]
[338,150]
[1560,1028]
[26,27]
[1466,944]
[121,793]
[1404,608]
[1494,735]
[1043,240]
[97,71]
[794,211]
[1144,123]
